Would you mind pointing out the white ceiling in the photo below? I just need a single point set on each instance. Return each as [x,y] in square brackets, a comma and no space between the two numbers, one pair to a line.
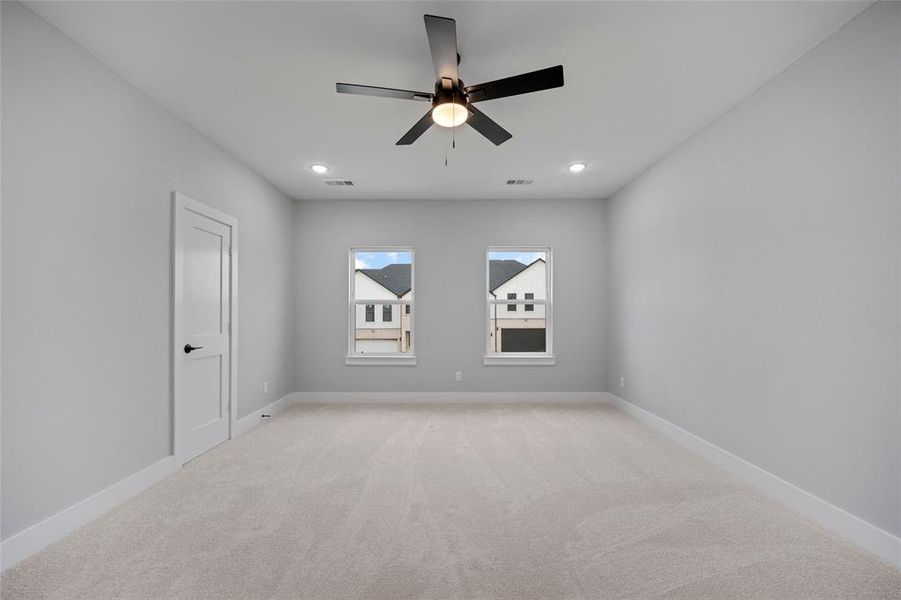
[259,79]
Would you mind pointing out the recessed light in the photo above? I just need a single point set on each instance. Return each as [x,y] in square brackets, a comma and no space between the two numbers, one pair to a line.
[320,169]
[577,167]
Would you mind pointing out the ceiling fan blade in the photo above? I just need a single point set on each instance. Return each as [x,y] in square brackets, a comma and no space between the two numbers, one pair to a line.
[484,125]
[543,79]
[371,90]
[442,33]
[417,130]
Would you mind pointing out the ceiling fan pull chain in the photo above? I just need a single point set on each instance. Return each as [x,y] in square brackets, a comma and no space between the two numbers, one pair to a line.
[454,129]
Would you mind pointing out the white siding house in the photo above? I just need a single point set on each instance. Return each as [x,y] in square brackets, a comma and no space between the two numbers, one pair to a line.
[521,282]
[381,328]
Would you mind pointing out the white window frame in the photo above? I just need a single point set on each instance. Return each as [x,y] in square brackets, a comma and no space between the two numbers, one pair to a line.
[545,358]
[379,358]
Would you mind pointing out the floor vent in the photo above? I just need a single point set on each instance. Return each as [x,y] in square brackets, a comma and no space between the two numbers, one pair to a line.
[519,182]
[339,182]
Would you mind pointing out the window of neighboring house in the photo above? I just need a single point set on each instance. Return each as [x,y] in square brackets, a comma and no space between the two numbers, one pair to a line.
[514,337]
[380,276]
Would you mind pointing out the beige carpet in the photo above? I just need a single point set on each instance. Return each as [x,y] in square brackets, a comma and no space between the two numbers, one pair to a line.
[418,501]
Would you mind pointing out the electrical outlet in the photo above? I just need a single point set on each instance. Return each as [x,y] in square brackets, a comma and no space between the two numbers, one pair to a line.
[265,387]
[622,382]
[458,375]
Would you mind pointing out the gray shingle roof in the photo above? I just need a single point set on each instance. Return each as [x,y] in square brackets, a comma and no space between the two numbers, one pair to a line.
[395,278]
[502,271]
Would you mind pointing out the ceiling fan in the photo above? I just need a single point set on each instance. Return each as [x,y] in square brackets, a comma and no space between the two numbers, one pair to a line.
[452,102]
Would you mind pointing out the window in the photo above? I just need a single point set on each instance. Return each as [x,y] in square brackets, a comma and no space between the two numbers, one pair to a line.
[513,336]
[380,276]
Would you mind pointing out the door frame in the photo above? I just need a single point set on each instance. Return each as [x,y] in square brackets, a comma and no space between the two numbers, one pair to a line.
[180,204]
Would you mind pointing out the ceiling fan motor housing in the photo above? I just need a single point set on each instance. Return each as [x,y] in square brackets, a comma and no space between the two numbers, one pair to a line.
[449,93]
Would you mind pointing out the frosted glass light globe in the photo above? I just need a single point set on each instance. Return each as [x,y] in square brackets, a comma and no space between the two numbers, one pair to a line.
[449,114]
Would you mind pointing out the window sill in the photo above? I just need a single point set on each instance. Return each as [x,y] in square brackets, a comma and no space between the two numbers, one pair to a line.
[380,361]
[518,360]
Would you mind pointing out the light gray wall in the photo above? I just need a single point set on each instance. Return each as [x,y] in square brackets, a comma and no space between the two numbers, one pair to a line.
[450,239]
[754,276]
[89,164]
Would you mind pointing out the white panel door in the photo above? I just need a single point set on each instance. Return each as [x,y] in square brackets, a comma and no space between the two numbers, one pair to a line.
[203,344]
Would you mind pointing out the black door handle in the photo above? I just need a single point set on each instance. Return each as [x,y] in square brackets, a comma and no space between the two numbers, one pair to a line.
[189,348]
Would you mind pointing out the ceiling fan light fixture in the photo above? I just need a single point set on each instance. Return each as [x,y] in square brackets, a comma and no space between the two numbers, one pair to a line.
[577,167]
[319,169]
[449,114]
[453,103]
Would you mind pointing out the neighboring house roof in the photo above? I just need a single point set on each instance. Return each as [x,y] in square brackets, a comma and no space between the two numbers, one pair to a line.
[502,271]
[394,278]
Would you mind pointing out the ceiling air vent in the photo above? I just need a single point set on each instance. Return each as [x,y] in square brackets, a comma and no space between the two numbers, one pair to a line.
[519,182]
[342,182]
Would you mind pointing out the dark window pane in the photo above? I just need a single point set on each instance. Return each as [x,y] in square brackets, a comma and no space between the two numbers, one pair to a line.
[386,313]
[511,307]
[530,307]
[522,340]
[407,309]
[370,313]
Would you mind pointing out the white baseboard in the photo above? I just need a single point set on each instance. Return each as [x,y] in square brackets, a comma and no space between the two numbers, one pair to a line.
[450,397]
[869,537]
[35,538]
[250,421]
